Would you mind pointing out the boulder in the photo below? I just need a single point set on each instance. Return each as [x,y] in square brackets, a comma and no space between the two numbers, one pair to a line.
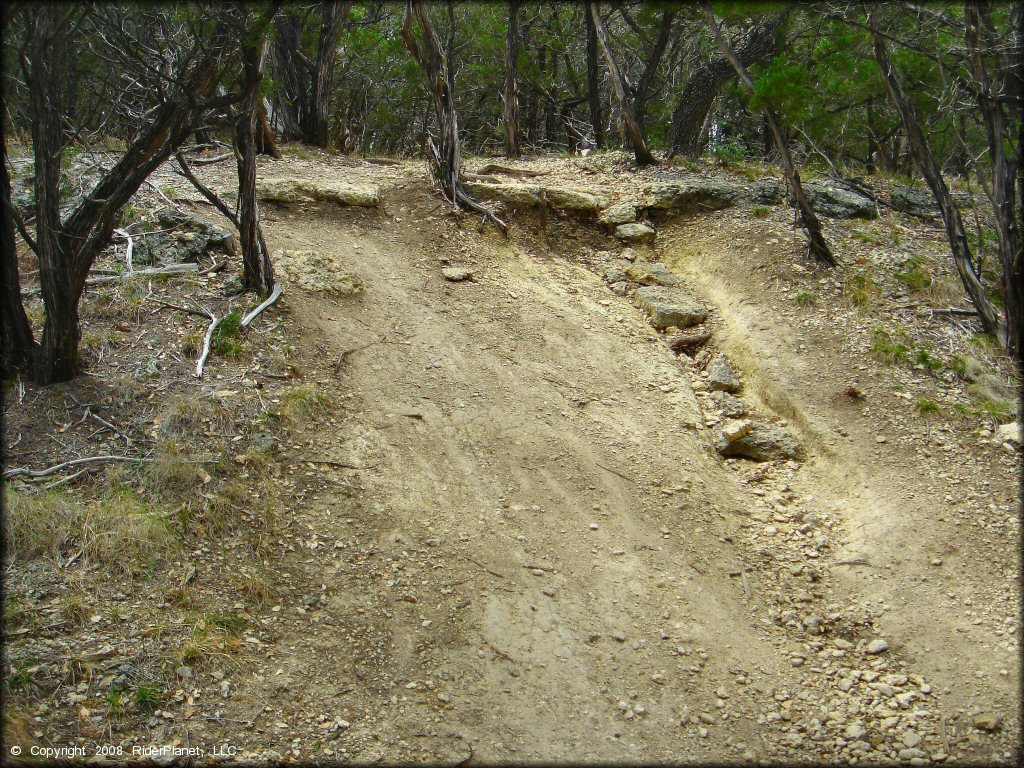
[635,232]
[536,195]
[571,199]
[651,273]
[1009,433]
[182,239]
[670,306]
[616,273]
[721,376]
[768,191]
[731,407]
[620,213]
[756,440]
[294,190]
[690,196]
[914,201]
[830,199]
[620,288]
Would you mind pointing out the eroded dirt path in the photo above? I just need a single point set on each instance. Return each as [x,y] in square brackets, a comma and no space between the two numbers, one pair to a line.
[526,548]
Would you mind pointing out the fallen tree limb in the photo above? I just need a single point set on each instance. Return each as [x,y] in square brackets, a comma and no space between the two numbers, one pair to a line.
[207,341]
[37,473]
[173,269]
[212,160]
[274,296]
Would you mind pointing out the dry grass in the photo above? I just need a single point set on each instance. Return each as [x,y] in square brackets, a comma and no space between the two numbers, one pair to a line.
[174,473]
[194,417]
[211,635]
[119,532]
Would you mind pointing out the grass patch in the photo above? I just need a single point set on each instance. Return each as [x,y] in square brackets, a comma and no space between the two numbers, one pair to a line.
[924,357]
[194,417]
[992,398]
[925,406]
[254,585]
[805,299]
[859,288]
[887,347]
[227,339]
[148,696]
[914,276]
[211,635]
[174,473]
[760,212]
[300,404]
[119,531]
[74,609]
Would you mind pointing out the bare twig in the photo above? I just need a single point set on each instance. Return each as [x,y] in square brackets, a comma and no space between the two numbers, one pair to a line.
[37,473]
[128,250]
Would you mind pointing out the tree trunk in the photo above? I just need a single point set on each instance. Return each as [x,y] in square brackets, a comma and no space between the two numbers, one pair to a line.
[869,159]
[633,130]
[257,272]
[291,70]
[642,92]
[16,343]
[690,116]
[593,79]
[511,99]
[1005,167]
[933,178]
[316,129]
[816,240]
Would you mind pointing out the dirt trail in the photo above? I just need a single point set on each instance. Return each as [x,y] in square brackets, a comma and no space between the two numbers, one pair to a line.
[539,555]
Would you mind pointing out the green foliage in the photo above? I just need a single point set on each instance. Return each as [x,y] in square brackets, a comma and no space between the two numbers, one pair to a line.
[925,358]
[859,287]
[227,338]
[805,299]
[925,406]
[887,346]
[913,275]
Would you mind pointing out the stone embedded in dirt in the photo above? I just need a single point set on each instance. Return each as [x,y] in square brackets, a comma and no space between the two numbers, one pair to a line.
[670,306]
[987,721]
[830,199]
[233,286]
[756,440]
[651,273]
[619,289]
[635,233]
[620,213]
[535,194]
[618,636]
[628,254]
[732,407]
[878,645]
[616,273]
[295,190]
[317,272]
[690,196]
[1009,433]
[721,376]
[457,274]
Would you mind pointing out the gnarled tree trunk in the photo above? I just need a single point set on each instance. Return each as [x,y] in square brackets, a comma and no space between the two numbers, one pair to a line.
[257,272]
[16,342]
[633,130]
[936,183]
[316,126]
[690,116]
[815,239]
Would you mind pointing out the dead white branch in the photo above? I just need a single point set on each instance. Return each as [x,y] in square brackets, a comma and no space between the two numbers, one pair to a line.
[214,322]
[129,249]
[37,473]
[274,296]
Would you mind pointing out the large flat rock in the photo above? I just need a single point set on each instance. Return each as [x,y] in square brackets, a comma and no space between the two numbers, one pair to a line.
[620,213]
[514,193]
[670,306]
[830,199]
[756,440]
[635,232]
[295,190]
[690,196]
